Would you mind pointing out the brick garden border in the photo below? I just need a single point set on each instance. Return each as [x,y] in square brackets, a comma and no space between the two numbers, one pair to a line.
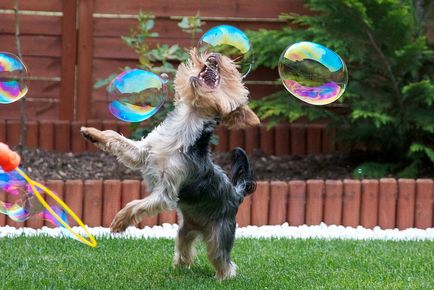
[388,203]
[64,136]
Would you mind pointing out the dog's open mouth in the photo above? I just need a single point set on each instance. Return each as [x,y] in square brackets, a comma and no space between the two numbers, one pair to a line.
[209,75]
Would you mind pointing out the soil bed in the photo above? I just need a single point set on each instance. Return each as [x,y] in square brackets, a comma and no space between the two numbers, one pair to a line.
[99,165]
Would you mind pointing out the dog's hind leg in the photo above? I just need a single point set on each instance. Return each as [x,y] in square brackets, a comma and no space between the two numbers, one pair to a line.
[185,253]
[135,210]
[131,153]
[220,240]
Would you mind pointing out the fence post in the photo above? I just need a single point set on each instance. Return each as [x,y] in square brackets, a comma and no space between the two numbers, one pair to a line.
[296,202]
[333,202]
[84,61]
[424,203]
[369,206]
[260,200]
[69,60]
[314,201]
[406,202]
[387,203]
[278,203]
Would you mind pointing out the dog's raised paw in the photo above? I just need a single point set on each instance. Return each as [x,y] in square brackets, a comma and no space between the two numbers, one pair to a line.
[93,135]
[88,136]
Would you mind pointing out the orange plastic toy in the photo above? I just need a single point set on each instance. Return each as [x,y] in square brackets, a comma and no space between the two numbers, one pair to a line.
[9,160]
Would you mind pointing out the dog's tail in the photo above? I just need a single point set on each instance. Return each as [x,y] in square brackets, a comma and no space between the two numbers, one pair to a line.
[242,175]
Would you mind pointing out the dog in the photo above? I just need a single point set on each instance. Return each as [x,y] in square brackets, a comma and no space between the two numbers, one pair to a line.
[176,163]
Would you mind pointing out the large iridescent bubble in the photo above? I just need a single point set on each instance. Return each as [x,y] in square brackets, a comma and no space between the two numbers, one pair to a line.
[20,203]
[230,41]
[136,95]
[313,73]
[13,78]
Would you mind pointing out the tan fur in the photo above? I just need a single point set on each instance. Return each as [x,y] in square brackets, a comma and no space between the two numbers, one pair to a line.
[222,101]
[241,118]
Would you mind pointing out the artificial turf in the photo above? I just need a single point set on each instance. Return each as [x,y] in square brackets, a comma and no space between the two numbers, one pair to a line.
[48,263]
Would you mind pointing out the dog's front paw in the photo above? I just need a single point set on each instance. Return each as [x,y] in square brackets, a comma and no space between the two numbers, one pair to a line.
[99,138]
[93,135]
[121,222]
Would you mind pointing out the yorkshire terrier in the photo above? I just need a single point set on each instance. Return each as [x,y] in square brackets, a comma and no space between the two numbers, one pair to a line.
[176,163]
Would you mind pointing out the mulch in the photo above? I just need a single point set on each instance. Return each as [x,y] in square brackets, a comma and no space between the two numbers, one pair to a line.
[45,165]
[99,165]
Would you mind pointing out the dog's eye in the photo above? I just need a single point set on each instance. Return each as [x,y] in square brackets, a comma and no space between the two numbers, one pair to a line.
[231,42]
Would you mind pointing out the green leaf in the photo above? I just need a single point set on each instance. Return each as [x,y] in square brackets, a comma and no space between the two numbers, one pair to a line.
[378,118]
[417,148]
[372,170]
[410,171]
[104,82]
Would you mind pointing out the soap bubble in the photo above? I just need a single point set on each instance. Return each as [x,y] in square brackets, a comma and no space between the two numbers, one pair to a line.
[136,95]
[313,73]
[20,203]
[13,76]
[231,42]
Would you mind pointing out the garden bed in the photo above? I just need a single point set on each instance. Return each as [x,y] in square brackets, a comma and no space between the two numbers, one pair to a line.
[99,165]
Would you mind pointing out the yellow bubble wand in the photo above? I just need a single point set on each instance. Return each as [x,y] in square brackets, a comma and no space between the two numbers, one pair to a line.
[10,160]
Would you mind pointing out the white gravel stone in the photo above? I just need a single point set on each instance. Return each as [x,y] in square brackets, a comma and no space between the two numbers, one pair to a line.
[284,231]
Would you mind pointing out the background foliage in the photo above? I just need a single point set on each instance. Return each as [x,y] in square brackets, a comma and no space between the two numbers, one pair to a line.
[390,95]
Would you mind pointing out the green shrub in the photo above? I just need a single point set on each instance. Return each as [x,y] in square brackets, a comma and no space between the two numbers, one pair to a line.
[390,93]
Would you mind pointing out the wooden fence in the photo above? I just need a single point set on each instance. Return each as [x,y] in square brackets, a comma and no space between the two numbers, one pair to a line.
[64,136]
[388,203]
[69,44]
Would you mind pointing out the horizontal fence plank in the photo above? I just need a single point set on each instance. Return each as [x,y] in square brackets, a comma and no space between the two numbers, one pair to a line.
[31,24]
[114,27]
[225,8]
[33,45]
[35,110]
[40,5]
[42,66]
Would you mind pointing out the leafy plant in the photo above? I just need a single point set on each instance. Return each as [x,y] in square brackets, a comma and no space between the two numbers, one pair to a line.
[159,60]
[390,95]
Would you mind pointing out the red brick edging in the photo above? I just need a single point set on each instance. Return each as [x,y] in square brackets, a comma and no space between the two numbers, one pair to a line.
[388,203]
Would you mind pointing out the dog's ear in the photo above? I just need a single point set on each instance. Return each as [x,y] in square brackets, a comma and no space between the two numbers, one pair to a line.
[241,118]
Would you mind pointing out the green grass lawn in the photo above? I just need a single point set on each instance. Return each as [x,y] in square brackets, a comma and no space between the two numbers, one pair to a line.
[39,263]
